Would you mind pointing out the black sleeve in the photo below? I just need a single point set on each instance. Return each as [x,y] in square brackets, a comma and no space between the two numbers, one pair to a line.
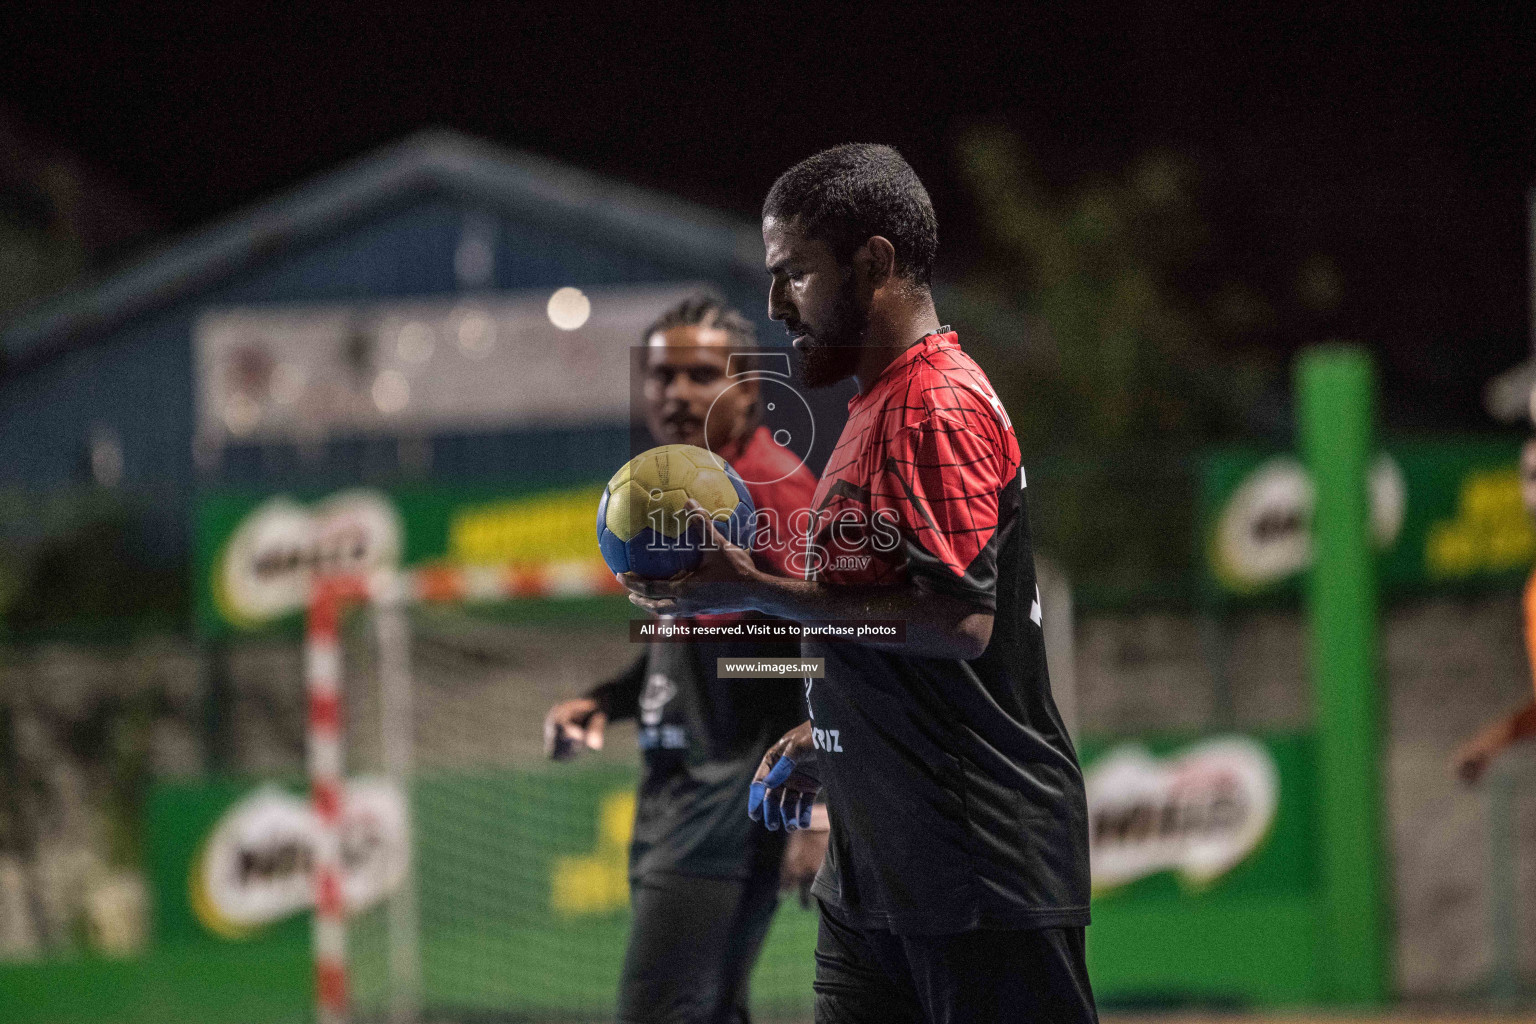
[978,586]
[619,697]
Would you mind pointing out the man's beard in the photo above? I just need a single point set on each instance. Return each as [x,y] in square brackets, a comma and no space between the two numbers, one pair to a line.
[832,354]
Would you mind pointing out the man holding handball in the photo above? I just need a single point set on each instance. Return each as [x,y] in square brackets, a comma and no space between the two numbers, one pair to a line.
[956,886]
[704,881]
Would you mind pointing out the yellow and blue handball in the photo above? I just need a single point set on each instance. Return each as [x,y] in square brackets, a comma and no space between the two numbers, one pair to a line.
[642,526]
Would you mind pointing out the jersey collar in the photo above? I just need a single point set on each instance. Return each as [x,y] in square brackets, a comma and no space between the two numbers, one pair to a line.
[944,337]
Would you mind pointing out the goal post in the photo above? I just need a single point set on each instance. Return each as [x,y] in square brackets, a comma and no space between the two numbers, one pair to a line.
[391,636]
[441,759]
[323,757]
[460,875]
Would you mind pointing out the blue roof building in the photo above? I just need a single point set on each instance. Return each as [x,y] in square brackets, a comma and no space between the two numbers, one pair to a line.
[108,372]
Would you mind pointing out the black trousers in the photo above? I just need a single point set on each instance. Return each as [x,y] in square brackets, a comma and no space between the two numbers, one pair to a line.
[692,945]
[870,976]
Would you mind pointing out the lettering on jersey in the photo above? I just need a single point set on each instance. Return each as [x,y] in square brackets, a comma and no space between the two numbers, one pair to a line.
[663,737]
[808,712]
[826,739]
[985,387]
[659,690]
[1034,607]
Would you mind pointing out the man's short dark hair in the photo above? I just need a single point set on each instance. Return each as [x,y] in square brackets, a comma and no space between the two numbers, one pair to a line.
[705,311]
[847,194]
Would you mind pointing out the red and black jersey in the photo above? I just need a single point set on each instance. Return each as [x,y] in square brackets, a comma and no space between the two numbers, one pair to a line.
[923,458]
[955,794]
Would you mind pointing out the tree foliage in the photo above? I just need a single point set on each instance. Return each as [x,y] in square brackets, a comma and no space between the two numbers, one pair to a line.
[39,253]
[1136,335]
[1121,343]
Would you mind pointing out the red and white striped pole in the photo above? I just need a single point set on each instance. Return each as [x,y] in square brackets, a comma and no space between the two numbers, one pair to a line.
[322,656]
[323,680]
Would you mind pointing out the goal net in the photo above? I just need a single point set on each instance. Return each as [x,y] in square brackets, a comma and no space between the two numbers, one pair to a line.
[511,899]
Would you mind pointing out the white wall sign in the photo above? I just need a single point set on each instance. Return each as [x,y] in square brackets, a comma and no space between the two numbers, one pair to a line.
[302,373]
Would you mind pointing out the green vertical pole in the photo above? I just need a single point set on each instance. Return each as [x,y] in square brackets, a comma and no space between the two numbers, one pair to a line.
[1335,400]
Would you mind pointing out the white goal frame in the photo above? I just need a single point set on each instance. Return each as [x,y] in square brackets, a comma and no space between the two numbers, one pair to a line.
[390,593]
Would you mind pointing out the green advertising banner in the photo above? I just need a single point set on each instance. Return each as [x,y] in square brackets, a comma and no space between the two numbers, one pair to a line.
[1445,514]
[256,554]
[1204,851]
[521,880]
[1204,870]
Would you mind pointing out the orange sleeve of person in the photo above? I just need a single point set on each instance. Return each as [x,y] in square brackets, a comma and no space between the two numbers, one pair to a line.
[1529,605]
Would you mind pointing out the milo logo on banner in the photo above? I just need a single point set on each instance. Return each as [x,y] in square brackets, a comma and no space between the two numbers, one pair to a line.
[268,564]
[254,867]
[258,555]
[1199,813]
[1263,533]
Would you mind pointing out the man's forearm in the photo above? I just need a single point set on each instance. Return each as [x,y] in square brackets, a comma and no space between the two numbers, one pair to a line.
[1512,728]
[1521,725]
[619,697]
[936,626]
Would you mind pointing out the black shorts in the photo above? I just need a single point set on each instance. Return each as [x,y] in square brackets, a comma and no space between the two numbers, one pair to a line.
[692,944]
[870,976]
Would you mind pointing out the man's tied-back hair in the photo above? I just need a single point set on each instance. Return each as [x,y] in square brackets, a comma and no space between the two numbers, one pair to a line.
[705,311]
[847,194]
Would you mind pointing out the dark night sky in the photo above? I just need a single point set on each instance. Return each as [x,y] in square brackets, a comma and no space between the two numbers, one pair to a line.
[1398,145]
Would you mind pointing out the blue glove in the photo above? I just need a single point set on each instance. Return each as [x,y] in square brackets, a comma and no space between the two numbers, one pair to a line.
[782,769]
[769,802]
[797,809]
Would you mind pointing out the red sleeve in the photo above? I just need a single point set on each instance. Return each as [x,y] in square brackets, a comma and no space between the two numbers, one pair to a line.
[785,504]
[942,479]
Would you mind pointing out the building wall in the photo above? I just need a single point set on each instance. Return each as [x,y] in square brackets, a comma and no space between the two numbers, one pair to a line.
[137,380]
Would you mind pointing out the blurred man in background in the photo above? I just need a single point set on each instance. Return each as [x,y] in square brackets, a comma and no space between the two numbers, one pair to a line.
[704,881]
[1472,760]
